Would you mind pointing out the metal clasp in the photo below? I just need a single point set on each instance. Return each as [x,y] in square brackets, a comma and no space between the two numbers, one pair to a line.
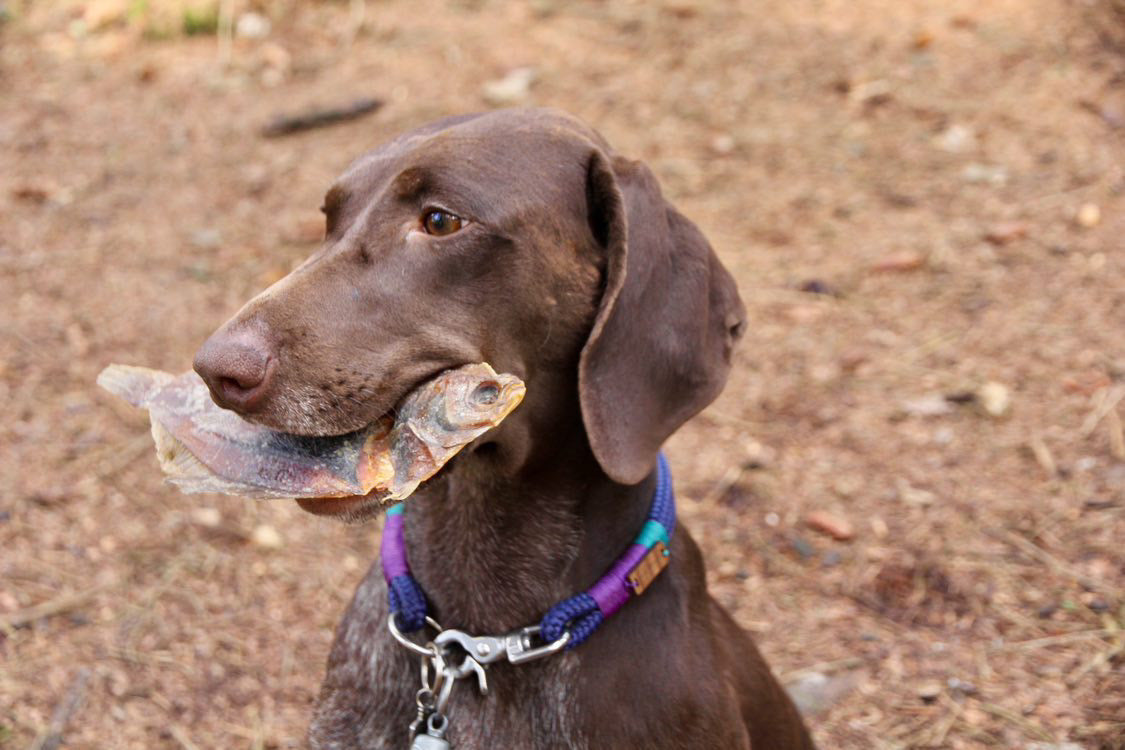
[519,648]
[483,649]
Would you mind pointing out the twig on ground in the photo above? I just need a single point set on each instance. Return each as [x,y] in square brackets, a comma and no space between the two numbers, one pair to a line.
[1104,401]
[729,479]
[225,32]
[1053,562]
[1029,728]
[1116,435]
[357,15]
[64,711]
[1043,456]
[49,608]
[937,739]
[180,736]
[838,665]
[1100,658]
[318,118]
[1056,640]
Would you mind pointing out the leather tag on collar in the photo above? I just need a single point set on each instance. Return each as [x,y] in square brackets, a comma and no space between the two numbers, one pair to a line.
[654,561]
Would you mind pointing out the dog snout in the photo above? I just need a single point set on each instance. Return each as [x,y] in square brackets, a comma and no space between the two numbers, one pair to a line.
[238,367]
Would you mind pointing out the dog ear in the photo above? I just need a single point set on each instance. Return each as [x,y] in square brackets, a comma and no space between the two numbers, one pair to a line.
[660,347]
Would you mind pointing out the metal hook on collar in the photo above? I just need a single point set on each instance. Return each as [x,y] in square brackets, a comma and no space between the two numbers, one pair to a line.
[484,649]
[398,635]
[520,650]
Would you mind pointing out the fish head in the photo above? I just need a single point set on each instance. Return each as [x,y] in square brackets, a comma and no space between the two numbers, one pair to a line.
[477,398]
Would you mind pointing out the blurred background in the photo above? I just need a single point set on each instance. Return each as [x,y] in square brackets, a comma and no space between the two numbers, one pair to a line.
[912,490]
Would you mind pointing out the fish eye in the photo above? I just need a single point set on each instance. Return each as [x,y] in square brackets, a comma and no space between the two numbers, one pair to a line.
[486,393]
[441,223]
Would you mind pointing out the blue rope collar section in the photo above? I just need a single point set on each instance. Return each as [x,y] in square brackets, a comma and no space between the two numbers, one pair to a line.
[581,614]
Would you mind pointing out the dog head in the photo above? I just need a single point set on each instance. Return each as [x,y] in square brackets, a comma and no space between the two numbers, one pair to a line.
[516,238]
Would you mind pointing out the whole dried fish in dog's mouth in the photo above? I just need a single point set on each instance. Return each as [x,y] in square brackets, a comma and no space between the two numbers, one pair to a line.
[205,448]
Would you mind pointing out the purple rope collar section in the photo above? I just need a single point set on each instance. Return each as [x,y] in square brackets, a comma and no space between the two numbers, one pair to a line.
[580,615]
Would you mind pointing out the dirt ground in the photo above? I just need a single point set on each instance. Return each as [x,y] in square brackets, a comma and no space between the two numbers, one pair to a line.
[922,201]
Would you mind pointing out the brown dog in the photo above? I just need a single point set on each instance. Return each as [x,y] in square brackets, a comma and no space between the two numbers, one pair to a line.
[517,238]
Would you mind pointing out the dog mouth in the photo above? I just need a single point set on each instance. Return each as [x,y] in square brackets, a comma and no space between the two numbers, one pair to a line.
[453,407]
[334,506]
[355,509]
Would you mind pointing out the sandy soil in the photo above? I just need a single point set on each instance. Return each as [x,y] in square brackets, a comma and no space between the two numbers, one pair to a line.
[918,199]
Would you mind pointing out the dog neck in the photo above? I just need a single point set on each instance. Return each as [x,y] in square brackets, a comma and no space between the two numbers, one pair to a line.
[493,551]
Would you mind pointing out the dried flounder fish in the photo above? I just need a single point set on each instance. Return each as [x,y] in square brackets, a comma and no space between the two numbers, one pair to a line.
[204,448]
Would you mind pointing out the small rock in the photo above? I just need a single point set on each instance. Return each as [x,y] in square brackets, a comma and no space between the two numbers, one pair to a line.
[816,286]
[871,92]
[266,537]
[912,495]
[960,686]
[984,174]
[879,527]
[31,194]
[956,139]
[1008,232]
[847,485]
[772,520]
[834,526]
[208,517]
[995,399]
[803,548]
[252,26]
[929,691]
[1085,463]
[206,239]
[852,359]
[1095,602]
[1052,746]
[758,456]
[900,262]
[815,692]
[804,314]
[513,88]
[1088,216]
[931,405]
[723,144]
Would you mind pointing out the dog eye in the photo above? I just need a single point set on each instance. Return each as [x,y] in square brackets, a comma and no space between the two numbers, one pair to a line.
[440,223]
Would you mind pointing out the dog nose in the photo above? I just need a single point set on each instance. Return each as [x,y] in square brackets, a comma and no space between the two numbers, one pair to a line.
[237,367]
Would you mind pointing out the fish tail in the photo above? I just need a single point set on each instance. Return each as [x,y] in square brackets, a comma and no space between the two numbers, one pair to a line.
[137,385]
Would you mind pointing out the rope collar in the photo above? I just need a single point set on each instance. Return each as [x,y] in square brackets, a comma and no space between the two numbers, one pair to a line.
[566,624]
